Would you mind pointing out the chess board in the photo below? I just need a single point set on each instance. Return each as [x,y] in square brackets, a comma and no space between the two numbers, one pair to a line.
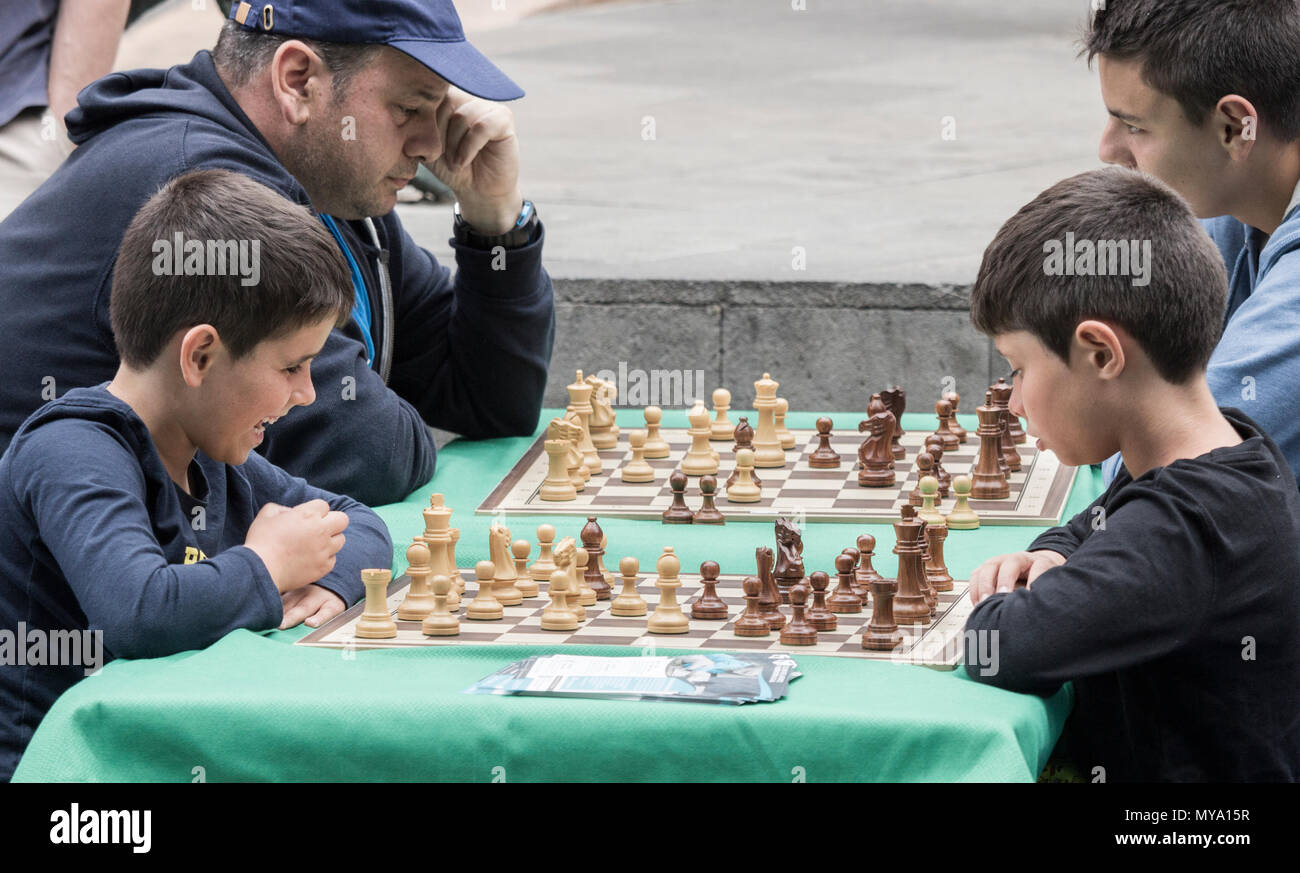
[1038,492]
[938,645]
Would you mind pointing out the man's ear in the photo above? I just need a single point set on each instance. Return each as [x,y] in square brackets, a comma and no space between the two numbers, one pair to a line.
[199,346]
[1237,124]
[299,81]
[1101,347]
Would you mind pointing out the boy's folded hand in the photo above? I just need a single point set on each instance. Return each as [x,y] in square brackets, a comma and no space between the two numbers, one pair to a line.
[1007,572]
[297,545]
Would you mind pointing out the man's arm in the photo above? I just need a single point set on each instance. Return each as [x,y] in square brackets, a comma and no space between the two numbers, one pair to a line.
[359,438]
[86,493]
[84,47]
[1136,590]
[472,354]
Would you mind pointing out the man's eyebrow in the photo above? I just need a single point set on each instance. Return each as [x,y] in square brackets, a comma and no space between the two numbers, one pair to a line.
[427,94]
[1124,116]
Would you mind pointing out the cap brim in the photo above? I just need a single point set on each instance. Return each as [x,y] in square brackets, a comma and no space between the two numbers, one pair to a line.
[463,66]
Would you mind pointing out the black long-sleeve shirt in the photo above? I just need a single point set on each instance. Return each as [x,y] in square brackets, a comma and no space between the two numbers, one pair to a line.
[1177,617]
[468,353]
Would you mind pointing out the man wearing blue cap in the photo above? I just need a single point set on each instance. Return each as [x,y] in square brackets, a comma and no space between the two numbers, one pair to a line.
[334,104]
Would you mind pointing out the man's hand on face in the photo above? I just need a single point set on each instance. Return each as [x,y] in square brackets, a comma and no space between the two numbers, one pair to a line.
[480,160]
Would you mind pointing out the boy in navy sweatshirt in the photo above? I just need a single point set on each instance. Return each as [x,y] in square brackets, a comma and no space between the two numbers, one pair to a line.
[1173,601]
[135,519]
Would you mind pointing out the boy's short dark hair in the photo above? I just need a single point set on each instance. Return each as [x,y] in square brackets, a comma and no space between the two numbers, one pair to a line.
[1176,314]
[1198,51]
[263,267]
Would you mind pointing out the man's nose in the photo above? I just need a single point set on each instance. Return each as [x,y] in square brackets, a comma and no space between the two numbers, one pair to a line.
[1112,149]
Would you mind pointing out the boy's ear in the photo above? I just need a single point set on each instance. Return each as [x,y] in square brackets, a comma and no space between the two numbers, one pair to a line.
[1102,348]
[1237,124]
[199,346]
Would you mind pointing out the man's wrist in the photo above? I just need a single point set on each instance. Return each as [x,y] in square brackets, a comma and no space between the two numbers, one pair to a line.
[520,231]
[491,219]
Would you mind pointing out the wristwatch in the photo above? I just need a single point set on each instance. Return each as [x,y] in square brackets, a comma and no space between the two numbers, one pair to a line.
[519,235]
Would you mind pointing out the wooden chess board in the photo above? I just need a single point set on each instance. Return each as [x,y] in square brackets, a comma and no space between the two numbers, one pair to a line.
[938,645]
[1038,493]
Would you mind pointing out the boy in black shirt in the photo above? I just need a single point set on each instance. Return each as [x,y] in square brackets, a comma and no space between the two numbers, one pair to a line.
[136,516]
[1173,602]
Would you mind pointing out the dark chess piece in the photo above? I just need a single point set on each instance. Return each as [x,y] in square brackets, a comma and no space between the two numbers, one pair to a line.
[936,570]
[951,442]
[844,599]
[990,483]
[679,512]
[924,467]
[895,400]
[934,445]
[591,536]
[824,457]
[708,512]
[818,615]
[874,454]
[1002,400]
[1018,434]
[709,606]
[770,598]
[751,622]
[799,632]
[882,633]
[789,557]
[744,435]
[866,574]
[954,399]
[910,603]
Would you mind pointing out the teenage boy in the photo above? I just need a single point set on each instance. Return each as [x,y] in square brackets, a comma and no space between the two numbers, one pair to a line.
[1205,96]
[1173,602]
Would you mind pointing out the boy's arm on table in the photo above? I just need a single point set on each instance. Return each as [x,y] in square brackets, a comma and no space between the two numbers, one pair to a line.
[86,495]
[367,542]
[1135,590]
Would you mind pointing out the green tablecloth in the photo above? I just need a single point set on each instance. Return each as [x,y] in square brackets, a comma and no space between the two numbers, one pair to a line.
[255,707]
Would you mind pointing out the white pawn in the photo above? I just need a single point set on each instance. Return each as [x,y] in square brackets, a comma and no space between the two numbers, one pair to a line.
[743,490]
[668,617]
[784,435]
[419,598]
[586,594]
[484,606]
[655,445]
[440,622]
[722,428]
[700,459]
[637,470]
[557,615]
[544,566]
[527,587]
[629,601]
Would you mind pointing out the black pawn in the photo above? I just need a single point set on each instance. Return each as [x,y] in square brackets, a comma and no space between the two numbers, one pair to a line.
[709,606]
[708,512]
[824,457]
[751,622]
[818,615]
[679,512]
[798,632]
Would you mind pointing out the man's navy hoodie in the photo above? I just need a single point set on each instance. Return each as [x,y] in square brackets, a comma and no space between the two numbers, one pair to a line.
[469,355]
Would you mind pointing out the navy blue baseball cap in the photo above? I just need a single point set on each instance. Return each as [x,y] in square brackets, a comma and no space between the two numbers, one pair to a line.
[427,30]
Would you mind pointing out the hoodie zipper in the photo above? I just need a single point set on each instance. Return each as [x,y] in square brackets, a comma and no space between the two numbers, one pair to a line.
[386,303]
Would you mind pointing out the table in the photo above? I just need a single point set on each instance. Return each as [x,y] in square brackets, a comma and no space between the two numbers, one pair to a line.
[254,707]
